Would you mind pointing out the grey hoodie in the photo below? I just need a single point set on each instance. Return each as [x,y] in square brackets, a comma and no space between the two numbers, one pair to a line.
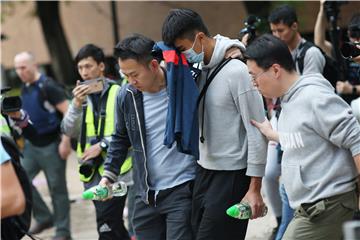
[319,136]
[231,142]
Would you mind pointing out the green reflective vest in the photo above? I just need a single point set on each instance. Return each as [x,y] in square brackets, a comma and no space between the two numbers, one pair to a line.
[4,127]
[108,130]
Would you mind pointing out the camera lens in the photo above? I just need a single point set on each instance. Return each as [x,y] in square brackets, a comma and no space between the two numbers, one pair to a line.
[87,168]
[349,50]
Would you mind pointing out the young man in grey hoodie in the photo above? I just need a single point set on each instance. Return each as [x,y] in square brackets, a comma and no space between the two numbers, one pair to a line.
[232,152]
[320,139]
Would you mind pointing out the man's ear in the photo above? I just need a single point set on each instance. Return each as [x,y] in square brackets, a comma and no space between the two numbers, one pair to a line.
[154,65]
[102,66]
[294,26]
[277,69]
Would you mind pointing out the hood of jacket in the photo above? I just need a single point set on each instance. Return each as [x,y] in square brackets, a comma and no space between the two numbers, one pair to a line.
[221,46]
[315,79]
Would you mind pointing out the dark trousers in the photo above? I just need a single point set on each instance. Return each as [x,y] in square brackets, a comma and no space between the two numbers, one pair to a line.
[167,217]
[109,219]
[214,192]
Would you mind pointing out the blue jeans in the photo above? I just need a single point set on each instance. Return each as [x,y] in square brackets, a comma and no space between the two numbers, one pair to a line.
[287,213]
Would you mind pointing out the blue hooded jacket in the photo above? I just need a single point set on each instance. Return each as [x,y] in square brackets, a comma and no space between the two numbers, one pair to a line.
[182,119]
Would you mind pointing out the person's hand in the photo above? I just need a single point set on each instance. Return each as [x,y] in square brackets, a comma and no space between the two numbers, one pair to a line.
[256,202]
[245,39]
[266,129]
[14,115]
[80,92]
[104,182]
[233,52]
[343,87]
[64,147]
[92,152]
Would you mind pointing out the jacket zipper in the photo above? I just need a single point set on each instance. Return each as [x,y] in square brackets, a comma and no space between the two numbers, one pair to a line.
[143,147]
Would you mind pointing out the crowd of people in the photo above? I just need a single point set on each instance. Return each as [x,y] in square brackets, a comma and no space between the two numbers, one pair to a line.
[187,148]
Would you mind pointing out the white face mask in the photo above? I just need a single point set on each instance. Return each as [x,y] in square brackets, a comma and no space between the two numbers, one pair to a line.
[192,56]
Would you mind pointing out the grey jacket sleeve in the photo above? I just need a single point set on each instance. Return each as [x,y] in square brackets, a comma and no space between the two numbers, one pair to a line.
[314,61]
[71,123]
[251,107]
[335,121]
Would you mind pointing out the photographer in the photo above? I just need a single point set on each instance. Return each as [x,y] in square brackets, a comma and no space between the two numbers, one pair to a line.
[349,89]
[91,119]
[43,100]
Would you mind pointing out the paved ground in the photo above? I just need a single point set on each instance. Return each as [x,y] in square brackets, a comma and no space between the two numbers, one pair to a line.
[83,225]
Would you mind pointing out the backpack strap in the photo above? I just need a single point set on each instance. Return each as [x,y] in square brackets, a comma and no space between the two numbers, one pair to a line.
[300,58]
[211,77]
[205,88]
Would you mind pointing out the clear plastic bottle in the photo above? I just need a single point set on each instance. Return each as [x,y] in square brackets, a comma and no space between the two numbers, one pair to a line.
[98,192]
[242,210]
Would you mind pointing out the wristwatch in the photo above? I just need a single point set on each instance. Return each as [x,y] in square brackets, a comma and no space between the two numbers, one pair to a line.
[104,145]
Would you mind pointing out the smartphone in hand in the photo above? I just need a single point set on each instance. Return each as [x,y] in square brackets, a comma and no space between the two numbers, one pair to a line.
[95,85]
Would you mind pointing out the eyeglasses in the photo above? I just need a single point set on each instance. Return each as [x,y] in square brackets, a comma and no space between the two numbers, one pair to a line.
[254,77]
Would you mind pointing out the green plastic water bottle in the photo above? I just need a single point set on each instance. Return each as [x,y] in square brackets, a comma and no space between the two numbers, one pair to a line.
[242,210]
[98,192]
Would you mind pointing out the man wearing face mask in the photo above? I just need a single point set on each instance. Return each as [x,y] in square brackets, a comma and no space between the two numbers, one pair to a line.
[232,152]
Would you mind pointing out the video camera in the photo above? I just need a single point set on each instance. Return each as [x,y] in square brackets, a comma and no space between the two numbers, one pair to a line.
[10,103]
[251,24]
[349,50]
[332,8]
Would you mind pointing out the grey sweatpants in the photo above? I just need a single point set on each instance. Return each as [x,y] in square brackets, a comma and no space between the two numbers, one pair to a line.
[47,159]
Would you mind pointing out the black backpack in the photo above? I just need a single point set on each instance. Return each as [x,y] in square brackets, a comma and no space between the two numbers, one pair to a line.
[17,226]
[331,69]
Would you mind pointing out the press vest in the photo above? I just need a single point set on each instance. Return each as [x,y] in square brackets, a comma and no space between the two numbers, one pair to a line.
[4,127]
[108,130]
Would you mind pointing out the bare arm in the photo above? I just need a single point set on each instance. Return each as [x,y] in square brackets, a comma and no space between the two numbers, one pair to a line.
[12,195]
[319,31]
[65,145]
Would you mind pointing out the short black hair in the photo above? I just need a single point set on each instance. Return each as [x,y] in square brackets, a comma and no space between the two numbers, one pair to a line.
[135,46]
[283,14]
[90,50]
[354,26]
[267,50]
[182,23]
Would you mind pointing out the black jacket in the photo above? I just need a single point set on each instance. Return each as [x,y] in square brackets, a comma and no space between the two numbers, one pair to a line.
[129,131]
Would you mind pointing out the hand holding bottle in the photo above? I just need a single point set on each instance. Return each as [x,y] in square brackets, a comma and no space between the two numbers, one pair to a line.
[104,192]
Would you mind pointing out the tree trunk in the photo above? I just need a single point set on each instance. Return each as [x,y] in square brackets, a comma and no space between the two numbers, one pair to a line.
[61,58]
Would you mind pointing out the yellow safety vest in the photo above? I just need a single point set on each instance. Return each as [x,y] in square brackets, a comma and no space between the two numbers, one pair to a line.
[109,128]
[4,128]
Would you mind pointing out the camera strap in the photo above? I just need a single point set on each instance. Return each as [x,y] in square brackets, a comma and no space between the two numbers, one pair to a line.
[103,114]
[102,117]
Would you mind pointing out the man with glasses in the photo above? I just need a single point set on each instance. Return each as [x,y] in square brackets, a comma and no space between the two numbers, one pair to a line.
[320,139]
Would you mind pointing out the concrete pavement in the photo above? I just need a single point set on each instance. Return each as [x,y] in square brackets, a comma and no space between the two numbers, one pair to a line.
[83,225]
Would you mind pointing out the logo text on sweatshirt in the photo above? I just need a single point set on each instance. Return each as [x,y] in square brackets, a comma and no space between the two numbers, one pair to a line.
[291,140]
